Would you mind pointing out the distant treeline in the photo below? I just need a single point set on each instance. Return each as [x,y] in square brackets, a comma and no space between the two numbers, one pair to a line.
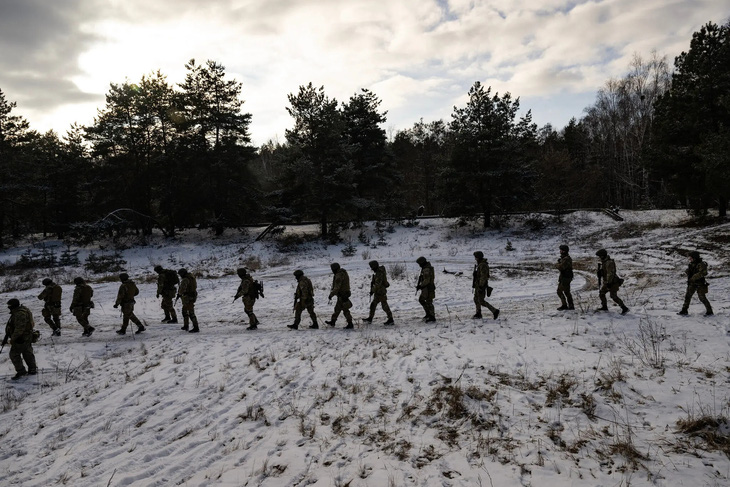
[178,156]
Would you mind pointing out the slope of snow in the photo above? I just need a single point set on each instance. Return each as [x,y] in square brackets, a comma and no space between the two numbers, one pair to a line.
[537,397]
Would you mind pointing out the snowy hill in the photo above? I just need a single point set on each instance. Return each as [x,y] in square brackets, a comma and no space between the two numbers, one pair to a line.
[537,397]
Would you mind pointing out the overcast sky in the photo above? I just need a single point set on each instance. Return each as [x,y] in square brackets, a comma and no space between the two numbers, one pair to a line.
[420,57]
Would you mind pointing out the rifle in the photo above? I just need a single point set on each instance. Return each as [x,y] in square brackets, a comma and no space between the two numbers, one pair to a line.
[600,275]
[296,299]
[5,341]
[418,285]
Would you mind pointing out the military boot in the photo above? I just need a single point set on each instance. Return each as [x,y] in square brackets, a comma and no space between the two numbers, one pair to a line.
[167,318]
[19,374]
[140,329]
[602,308]
[477,316]
[683,312]
[570,303]
[369,319]
[173,317]
[349,326]
[390,322]
[315,325]
[624,310]
[331,322]
[495,313]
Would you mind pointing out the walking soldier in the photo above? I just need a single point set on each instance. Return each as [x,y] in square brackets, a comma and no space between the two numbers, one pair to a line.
[565,266]
[696,273]
[188,293]
[19,332]
[167,281]
[81,305]
[379,292]
[341,291]
[51,312]
[480,284]
[248,293]
[303,299]
[427,287]
[611,282]
[125,298]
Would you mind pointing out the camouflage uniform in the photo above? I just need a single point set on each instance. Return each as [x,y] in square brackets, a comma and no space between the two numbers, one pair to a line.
[341,291]
[696,273]
[379,292]
[611,282]
[125,298]
[480,283]
[51,312]
[427,287]
[247,292]
[81,305]
[167,288]
[188,293]
[565,266]
[304,299]
[19,332]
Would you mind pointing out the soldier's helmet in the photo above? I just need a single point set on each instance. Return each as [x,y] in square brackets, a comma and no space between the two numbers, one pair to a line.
[479,254]
[335,266]
[241,271]
[183,272]
[298,273]
[564,248]
[421,260]
[695,255]
[123,276]
[47,281]
[158,268]
[374,264]
[13,303]
[78,281]
[602,253]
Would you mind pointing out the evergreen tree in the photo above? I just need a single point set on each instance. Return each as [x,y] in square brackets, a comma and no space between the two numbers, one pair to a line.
[693,120]
[375,171]
[318,178]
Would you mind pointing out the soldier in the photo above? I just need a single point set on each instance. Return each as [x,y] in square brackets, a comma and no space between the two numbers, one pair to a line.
[427,287]
[480,284]
[167,281]
[611,282]
[81,305]
[379,292]
[52,308]
[565,266]
[188,292]
[340,290]
[696,273]
[125,297]
[248,293]
[303,299]
[19,332]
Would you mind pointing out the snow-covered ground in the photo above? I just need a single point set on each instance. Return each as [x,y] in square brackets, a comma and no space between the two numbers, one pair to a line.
[537,397]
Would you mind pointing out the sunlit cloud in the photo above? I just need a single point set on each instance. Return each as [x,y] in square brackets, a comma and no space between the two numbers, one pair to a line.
[419,56]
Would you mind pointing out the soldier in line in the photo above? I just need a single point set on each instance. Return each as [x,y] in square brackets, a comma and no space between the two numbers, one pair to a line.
[81,305]
[188,292]
[696,273]
[565,266]
[167,282]
[427,287]
[340,290]
[611,282]
[379,292]
[125,298]
[19,332]
[303,299]
[248,294]
[52,308]
[480,283]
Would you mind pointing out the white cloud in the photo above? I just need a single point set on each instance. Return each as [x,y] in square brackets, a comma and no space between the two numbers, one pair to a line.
[419,56]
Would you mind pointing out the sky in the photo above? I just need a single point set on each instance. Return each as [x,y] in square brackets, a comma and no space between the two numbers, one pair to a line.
[420,57]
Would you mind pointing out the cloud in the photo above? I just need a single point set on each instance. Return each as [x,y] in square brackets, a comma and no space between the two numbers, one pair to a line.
[419,56]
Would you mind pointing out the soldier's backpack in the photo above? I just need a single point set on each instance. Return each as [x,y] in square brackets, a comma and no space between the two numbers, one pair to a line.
[256,290]
[171,278]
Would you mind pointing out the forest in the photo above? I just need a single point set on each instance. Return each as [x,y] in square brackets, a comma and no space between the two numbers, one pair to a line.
[171,155]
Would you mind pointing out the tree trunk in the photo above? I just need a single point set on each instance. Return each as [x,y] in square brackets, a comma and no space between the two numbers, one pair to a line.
[722,207]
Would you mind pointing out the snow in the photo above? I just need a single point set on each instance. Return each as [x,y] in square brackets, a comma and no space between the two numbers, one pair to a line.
[537,397]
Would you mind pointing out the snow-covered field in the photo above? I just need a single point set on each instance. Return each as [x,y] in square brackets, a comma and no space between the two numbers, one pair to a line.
[535,398]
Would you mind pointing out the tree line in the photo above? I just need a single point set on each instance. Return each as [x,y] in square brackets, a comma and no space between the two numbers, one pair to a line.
[178,156]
